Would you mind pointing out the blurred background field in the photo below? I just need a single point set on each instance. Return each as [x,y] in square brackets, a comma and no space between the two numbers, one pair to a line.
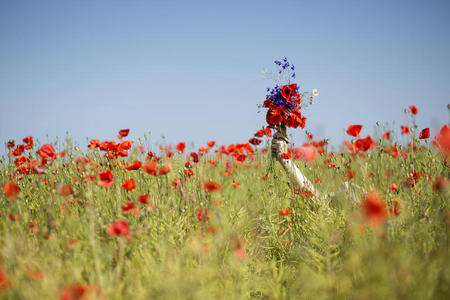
[223,229]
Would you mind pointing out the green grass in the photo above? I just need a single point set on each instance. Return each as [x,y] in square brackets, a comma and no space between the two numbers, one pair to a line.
[327,251]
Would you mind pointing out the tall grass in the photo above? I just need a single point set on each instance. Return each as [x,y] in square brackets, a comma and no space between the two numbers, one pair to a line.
[324,249]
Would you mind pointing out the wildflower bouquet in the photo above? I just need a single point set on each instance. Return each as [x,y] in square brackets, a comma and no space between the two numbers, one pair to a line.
[283,101]
[283,105]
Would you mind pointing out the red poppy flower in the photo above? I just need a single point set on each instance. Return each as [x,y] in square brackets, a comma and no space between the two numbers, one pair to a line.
[11,190]
[254,141]
[128,206]
[119,228]
[286,155]
[440,183]
[65,190]
[211,144]
[35,275]
[212,186]
[104,146]
[306,152]
[176,183]
[387,135]
[189,173]
[295,119]
[405,129]
[240,252]
[413,109]
[181,147]
[203,149]
[393,150]
[267,103]
[442,140]
[274,116]
[424,134]
[216,202]
[129,184]
[241,158]
[404,154]
[165,170]
[14,217]
[189,165]
[29,142]
[285,211]
[106,178]
[211,230]
[150,168]
[125,145]
[374,208]
[287,91]
[152,156]
[143,198]
[235,184]
[264,131]
[80,292]
[4,280]
[354,130]
[393,187]
[202,214]
[364,144]
[350,174]
[411,180]
[259,133]
[122,153]
[94,144]
[20,160]
[134,165]
[18,150]
[73,292]
[47,151]
[123,133]
[194,156]
[33,227]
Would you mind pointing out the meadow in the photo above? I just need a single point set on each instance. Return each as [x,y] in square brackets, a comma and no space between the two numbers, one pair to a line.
[133,220]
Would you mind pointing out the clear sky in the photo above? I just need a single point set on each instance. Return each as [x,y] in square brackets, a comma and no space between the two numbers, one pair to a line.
[191,70]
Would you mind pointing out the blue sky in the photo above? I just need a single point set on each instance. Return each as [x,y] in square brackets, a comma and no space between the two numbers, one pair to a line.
[191,70]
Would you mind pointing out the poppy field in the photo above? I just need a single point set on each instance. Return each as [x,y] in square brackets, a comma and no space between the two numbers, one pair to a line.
[127,220]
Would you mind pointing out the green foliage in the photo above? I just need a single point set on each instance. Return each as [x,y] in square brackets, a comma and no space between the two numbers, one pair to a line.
[324,249]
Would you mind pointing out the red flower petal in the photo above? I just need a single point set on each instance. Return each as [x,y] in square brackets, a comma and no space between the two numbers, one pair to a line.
[424,134]
[354,130]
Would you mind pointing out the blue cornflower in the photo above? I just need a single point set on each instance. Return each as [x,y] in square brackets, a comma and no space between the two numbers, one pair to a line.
[277,62]
[278,100]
